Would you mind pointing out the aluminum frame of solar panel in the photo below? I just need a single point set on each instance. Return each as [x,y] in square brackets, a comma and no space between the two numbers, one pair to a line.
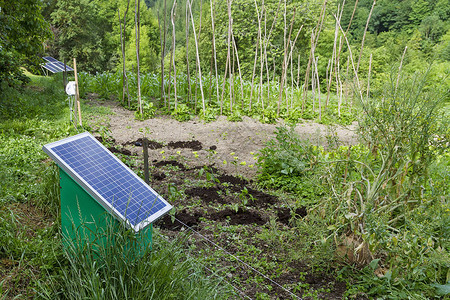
[116,198]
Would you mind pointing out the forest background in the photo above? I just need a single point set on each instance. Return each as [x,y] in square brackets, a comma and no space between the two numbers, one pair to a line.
[91,31]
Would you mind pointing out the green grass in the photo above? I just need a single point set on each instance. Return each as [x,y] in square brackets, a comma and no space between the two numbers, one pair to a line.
[32,260]
[110,270]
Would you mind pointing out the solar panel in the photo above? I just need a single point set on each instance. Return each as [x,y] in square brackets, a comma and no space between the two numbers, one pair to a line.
[51,68]
[118,189]
[50,59]
[54,65]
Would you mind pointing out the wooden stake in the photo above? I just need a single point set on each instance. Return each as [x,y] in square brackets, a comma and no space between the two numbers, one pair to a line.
[400,69]
[137,24]
[65,75]
[173,54]
[368,77]
[146,172]
[77,94]
[364,36]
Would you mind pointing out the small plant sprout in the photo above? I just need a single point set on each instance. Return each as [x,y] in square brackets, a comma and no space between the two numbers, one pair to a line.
[224,162]
[195,154]
[244,196]
[243,163]
[210,155]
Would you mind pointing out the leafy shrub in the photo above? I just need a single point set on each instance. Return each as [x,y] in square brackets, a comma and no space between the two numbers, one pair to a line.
[289,163]
[209,114]
[383,202]
[181,113]
[148,110]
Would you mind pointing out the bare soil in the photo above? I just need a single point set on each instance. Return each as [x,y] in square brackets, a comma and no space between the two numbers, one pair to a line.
[219,199]
[222,143]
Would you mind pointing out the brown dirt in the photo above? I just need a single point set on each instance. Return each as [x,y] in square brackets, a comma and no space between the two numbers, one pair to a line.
[230,198]
[239,217]
[215,142]
[284,214]
[190,219]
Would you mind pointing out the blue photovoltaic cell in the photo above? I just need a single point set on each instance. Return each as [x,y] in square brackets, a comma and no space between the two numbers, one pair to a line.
[54,65]
[51,68]
[109,179]
[50,59]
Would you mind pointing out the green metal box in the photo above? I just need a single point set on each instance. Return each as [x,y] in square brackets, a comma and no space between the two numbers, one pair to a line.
[82,215]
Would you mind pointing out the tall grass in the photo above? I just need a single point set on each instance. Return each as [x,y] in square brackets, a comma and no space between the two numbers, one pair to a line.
[116,265]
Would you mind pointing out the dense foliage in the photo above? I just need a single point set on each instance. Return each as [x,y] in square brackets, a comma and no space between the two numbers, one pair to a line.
[382,201]
[22,32]
[89,31]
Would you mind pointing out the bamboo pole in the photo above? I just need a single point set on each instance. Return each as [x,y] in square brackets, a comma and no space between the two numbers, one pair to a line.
[231,78]
[198,60]
[228,61]
[316,34]
[163,53]
[400,69]
[137,22]
[292,45]
[318,88]
[283,71]
[298,70]
[351,59]
[292,79]
[188,72]
[333,58]
[258,41]
[351,18]
[213,5]
[239,69]
[173,54]
[368,76]
[364,36]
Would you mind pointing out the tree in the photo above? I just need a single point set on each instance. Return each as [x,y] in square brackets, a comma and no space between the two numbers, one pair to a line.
[22,33]
[80,33]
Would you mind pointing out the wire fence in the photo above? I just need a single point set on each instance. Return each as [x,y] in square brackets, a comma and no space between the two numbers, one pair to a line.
[215,245]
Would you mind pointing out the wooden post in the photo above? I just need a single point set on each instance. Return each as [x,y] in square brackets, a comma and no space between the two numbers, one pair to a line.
[77,94]
[64,75]
[146,172]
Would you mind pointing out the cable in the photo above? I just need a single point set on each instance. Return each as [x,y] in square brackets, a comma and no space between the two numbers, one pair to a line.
[240,292]
[238,259]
